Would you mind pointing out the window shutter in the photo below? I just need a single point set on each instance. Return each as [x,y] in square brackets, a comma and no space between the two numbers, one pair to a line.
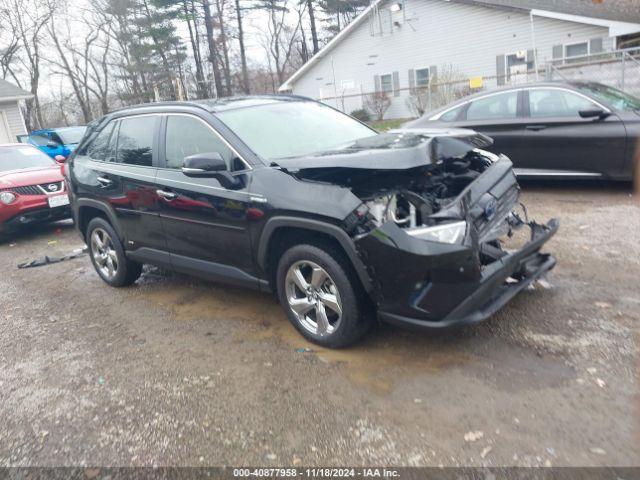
[531,59]
[412,79]
[376,83]
[396,84]
[433,74]
[500,70]
[595,45]
[557,53]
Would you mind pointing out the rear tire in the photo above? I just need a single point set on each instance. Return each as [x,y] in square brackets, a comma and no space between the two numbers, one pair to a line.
[321,295]
[107,255]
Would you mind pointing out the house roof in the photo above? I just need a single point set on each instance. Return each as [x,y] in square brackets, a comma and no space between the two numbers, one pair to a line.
[8,91]
[618,10]
[621,17]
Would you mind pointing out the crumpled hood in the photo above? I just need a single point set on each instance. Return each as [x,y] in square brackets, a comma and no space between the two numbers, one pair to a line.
[394,150]
[34,176]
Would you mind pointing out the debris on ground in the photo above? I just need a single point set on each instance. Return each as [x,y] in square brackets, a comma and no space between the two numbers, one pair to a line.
[473,436]
[485,451]
[603,305]
[47,260]
[303,350]
[601,383]
[597,451]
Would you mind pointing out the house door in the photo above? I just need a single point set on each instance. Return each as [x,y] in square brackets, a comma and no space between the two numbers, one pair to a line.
[5,135]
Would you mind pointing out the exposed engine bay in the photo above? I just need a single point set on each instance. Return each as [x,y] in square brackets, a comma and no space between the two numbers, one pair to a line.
[427,191]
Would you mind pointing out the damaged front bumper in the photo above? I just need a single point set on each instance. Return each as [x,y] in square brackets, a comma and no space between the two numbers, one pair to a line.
[438,302]
[431,284]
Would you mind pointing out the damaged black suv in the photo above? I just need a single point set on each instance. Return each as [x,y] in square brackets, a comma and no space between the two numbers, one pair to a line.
[287,195]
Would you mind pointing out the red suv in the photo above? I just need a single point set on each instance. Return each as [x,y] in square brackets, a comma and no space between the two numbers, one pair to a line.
[32,188]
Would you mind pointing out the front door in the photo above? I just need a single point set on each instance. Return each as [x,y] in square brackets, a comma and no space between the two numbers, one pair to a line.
[500,117]
[205,223]
[562,142]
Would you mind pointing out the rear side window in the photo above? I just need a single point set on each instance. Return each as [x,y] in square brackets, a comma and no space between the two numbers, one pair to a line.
[101,147]
[135,140]
[503,105]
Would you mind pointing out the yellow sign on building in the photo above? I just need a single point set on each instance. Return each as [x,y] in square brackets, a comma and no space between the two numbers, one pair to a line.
[475,82]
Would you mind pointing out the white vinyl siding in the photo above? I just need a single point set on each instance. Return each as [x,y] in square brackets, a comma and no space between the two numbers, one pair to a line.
[438,33]
[13,118]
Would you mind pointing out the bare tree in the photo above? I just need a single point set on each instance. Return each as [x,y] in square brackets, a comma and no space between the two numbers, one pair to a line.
[282,34]
[377,103]
[27,19]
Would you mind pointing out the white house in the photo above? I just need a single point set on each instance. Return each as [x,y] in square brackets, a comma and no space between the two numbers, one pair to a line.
[11,120]
[396,45]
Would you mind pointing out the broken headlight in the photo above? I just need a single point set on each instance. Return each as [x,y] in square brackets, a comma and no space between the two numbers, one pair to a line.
[445,233]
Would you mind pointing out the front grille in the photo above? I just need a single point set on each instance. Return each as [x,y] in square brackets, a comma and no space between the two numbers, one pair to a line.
[505,204]
[36,189]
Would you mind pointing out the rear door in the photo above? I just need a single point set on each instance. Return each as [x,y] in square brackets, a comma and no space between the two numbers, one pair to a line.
[500,116]
[205,223]
[563,143]
[119,168]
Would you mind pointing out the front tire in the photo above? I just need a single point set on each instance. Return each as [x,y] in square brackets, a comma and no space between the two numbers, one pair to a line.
[107,255]
[321,295]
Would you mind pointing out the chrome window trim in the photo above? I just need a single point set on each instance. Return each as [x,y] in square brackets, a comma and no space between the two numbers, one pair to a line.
[580,94]
[224,140]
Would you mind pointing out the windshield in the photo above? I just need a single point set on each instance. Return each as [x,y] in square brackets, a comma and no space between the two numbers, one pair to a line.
[19,157]
[613,97]
[71,135]
[293,129]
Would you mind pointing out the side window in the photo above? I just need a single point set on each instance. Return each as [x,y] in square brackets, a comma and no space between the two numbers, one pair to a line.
[451,115]
[503,105]
[386,83]
[99,149]
[556,103]
[40,140]
[135,140]
[187,136]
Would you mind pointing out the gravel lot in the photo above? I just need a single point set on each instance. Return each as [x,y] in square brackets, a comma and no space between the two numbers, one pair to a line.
[176,371]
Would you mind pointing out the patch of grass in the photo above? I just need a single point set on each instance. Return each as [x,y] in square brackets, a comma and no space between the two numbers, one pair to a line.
[384,125]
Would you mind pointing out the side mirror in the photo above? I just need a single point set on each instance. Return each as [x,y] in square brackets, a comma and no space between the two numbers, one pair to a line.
[52,144]
[60,159]
[593,113]
[209,165]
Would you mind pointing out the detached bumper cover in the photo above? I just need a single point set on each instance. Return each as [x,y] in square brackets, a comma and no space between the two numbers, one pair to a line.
[439,301]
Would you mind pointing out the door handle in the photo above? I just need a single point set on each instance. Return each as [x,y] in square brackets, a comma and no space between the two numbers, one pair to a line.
[535,128]
[104,181]
[167,195]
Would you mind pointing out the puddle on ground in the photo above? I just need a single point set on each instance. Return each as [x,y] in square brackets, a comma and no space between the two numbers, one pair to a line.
[383,358]
[377,362]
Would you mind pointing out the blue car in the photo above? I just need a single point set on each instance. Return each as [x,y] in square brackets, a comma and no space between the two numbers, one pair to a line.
[55,141]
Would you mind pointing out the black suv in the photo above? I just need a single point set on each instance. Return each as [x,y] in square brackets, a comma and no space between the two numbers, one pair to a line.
[288,195]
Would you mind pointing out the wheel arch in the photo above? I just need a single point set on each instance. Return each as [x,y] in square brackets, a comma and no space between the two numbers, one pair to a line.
[88,209]
[275,228]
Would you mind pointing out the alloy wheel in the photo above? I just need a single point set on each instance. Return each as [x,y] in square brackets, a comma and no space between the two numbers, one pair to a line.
[104,253]
[313,298]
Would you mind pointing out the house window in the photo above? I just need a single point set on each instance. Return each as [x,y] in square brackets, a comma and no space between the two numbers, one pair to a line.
[422,77]
[574,51]
[516,63]
[386,83]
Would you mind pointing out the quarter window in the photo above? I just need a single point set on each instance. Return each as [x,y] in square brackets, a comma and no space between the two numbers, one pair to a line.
[556,103]
[451,115]
[189,136]
[101,148]
[503,105]
[422,77]
[135,140]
